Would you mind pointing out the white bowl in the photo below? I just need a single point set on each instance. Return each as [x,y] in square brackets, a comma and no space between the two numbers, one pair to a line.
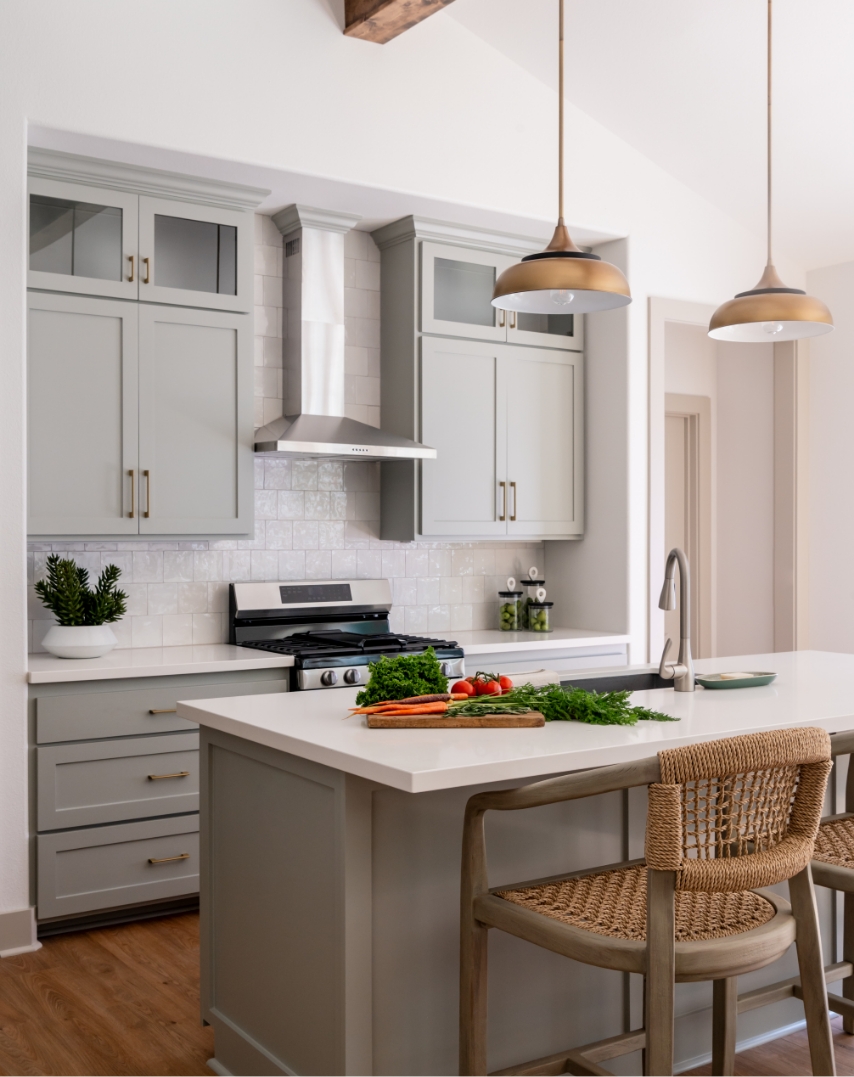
[79,641]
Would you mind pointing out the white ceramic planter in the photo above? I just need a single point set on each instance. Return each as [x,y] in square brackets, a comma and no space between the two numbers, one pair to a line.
[79,641]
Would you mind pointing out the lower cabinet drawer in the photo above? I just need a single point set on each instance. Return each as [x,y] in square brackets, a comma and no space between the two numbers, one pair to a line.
[107,781]
[108,866]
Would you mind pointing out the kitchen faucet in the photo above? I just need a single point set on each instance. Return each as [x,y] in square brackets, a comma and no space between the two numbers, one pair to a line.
[682,671]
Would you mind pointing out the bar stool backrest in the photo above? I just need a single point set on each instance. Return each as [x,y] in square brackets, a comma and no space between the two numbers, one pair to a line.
[736,814]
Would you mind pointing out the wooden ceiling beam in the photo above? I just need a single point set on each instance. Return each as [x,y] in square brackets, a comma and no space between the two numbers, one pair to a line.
[382,20]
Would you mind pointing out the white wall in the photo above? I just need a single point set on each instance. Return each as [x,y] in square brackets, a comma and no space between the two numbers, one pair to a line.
[738,379]
[437,113]
[831,466]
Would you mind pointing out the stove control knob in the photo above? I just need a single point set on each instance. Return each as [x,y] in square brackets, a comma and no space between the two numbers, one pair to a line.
[447,669]
[329,677]
[351,676]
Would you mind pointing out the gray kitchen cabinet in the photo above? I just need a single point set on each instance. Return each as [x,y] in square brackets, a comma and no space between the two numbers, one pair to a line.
[108,229]
[195,422]
[498,395]
[198,256]
[456,300]
[109,781]
[115,775]
[82,239]
[140,419]
[82,429]
[507,424]
[101,867]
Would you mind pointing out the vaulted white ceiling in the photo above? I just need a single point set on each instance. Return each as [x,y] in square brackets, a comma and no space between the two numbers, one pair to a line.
[683,81]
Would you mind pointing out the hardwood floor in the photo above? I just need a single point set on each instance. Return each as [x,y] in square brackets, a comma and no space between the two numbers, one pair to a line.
[125,1000]
[790,1056]
[121,1000]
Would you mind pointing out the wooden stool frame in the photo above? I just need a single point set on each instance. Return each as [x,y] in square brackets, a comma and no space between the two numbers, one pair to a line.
[655,958]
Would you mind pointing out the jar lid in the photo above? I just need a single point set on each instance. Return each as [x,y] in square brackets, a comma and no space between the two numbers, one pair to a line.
[509,594]
[540,605]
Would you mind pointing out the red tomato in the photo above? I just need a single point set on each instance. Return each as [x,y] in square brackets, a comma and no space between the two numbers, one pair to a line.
[488,688]
[506,684]
[464,686]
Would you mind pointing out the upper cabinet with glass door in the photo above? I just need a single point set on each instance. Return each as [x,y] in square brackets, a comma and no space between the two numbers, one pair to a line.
[83,239]
[196,256]
[134,244]
[456,295]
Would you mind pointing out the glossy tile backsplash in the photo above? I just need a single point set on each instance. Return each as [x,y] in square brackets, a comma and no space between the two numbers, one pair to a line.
[313,520]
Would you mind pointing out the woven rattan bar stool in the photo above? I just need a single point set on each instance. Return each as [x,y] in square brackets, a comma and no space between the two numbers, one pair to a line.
[725,817]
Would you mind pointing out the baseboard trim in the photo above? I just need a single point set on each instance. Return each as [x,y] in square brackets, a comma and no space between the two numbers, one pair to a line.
[743,1045]
[122,914]
[18,932]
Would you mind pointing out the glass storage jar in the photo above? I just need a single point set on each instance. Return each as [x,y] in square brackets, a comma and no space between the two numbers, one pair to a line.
[539,616]
[509,610]
[532,584]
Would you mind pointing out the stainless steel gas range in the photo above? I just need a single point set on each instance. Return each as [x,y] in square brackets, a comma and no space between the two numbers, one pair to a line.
[333,628]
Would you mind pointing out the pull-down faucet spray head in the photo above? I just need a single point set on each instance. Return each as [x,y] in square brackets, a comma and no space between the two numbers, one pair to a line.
[667,601]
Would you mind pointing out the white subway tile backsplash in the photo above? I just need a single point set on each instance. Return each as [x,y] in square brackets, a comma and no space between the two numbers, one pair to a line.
[314,519]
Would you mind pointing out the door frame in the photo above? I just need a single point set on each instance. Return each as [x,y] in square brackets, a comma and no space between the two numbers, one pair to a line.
[697,410]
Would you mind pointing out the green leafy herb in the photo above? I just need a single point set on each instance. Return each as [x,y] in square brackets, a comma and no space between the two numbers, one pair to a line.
[65,592]
[558,704]
[403,676]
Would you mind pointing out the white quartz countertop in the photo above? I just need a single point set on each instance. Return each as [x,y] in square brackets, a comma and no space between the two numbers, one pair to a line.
[491,641]
[812,688]
[152,662]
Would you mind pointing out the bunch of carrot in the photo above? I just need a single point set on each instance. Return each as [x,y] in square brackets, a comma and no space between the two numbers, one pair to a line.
[434,704]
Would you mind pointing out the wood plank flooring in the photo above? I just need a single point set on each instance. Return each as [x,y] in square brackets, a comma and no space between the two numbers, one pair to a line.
[120,1000]
[125,1000]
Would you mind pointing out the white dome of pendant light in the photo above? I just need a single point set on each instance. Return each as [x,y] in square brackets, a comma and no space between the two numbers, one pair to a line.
[770,311]
[562,279]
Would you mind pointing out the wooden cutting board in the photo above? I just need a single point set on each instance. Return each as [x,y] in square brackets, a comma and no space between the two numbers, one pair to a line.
[435,721]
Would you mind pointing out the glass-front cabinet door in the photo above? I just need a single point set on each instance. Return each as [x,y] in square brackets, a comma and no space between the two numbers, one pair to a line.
[196,256]
[82,239]
[456,292]
[546,330]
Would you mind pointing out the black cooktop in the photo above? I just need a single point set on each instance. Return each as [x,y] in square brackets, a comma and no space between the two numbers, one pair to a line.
[351,645]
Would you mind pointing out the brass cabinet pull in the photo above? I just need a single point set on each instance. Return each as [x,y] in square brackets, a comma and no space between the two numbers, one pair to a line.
[502,318]
[147,278]
[512,319]
[177,774]
[147,512]
[162,710]
[130,278]
[503,515]
[513,488]
[168,859]
[132,512]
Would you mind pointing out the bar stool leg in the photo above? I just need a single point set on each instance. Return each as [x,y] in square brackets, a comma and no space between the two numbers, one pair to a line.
[724,1021]
[811,963]
[848,955]
[473,967]
[660,972]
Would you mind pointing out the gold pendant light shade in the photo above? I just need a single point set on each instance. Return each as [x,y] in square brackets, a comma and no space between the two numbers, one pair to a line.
[770,311]
[562,279]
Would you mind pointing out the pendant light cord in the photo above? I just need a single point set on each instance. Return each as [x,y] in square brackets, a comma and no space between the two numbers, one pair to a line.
[560,112]
[769,133]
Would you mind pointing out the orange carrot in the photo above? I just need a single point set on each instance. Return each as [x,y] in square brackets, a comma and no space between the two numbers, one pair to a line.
[420,708]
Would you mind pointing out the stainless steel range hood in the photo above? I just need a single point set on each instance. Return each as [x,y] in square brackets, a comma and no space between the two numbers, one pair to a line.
[314,423]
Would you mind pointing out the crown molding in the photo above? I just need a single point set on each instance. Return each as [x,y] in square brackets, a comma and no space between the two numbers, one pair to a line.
[293,217]
[459,234]
[74,168]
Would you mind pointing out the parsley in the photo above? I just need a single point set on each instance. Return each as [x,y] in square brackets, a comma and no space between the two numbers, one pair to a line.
[403,676]
[558,704]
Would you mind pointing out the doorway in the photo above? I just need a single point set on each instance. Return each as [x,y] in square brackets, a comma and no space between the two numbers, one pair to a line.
[688,509]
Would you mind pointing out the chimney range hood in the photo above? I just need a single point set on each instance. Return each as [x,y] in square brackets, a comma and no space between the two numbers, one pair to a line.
[314,423]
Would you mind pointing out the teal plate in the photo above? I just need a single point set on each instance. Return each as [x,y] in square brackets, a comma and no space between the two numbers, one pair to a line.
[713,680]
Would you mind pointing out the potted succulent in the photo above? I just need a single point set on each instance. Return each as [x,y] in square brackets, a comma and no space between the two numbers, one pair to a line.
[84,616]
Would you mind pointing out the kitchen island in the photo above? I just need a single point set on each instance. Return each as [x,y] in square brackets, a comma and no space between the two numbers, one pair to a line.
[330,874]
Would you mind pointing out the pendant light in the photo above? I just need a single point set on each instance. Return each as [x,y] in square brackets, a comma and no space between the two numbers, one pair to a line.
[770,311]
[562,279]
